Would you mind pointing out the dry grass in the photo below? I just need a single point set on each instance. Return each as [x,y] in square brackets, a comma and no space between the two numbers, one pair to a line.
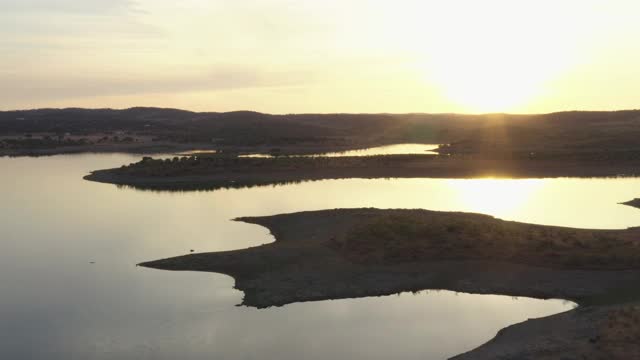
[418,236]
[618,336]
[622,326]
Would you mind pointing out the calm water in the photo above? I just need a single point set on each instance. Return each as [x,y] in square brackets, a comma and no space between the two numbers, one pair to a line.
[56,305]
[397,149]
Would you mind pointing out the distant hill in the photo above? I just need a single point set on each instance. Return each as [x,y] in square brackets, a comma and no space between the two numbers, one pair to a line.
[489,135]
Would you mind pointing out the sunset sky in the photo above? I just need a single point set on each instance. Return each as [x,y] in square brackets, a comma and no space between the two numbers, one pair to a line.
[286,56]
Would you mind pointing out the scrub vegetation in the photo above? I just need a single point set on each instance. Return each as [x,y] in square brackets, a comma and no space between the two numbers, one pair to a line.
[421,236]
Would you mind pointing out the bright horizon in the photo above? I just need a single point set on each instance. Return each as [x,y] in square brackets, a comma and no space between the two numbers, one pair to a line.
[283,56]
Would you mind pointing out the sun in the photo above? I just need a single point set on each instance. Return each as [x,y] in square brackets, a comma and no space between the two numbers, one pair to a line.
[489,62]
[489,83]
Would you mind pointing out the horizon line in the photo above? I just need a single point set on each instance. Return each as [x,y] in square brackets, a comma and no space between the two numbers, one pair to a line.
[317,113]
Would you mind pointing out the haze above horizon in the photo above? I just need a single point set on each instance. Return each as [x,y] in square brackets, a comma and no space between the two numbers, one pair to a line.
[357,56]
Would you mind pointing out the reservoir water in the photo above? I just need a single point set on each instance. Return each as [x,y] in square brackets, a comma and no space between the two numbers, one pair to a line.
[70,288]
[396,149]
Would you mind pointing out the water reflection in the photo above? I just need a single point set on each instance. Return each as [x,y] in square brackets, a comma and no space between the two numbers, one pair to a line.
[396,149]
[501,197]
[55,304]
[572,202]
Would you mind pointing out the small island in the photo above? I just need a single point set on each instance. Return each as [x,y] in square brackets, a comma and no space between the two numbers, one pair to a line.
[213,171]
[347,253]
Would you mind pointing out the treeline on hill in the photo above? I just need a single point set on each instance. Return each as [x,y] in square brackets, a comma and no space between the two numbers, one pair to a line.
[205,165]
[46,142]
[575,132]
[241,128]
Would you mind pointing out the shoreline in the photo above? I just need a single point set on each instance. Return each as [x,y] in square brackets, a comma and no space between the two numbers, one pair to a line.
[190,149]
[239,172]
[301,265]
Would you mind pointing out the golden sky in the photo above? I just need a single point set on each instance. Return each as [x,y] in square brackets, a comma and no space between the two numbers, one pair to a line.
[286,56]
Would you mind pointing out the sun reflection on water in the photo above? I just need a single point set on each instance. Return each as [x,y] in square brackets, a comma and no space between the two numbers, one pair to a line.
[500,197]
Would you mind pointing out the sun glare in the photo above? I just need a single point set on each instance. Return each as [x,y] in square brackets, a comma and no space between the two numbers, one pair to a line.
[498,197]
[490,85]
[490,62]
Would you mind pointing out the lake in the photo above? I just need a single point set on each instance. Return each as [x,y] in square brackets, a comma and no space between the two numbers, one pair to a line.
[396,149]
[70,287]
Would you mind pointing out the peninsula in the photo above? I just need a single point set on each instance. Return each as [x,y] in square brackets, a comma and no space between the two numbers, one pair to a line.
[349,253]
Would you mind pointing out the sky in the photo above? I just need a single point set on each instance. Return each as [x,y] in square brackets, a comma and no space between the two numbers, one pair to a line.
[324,56]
